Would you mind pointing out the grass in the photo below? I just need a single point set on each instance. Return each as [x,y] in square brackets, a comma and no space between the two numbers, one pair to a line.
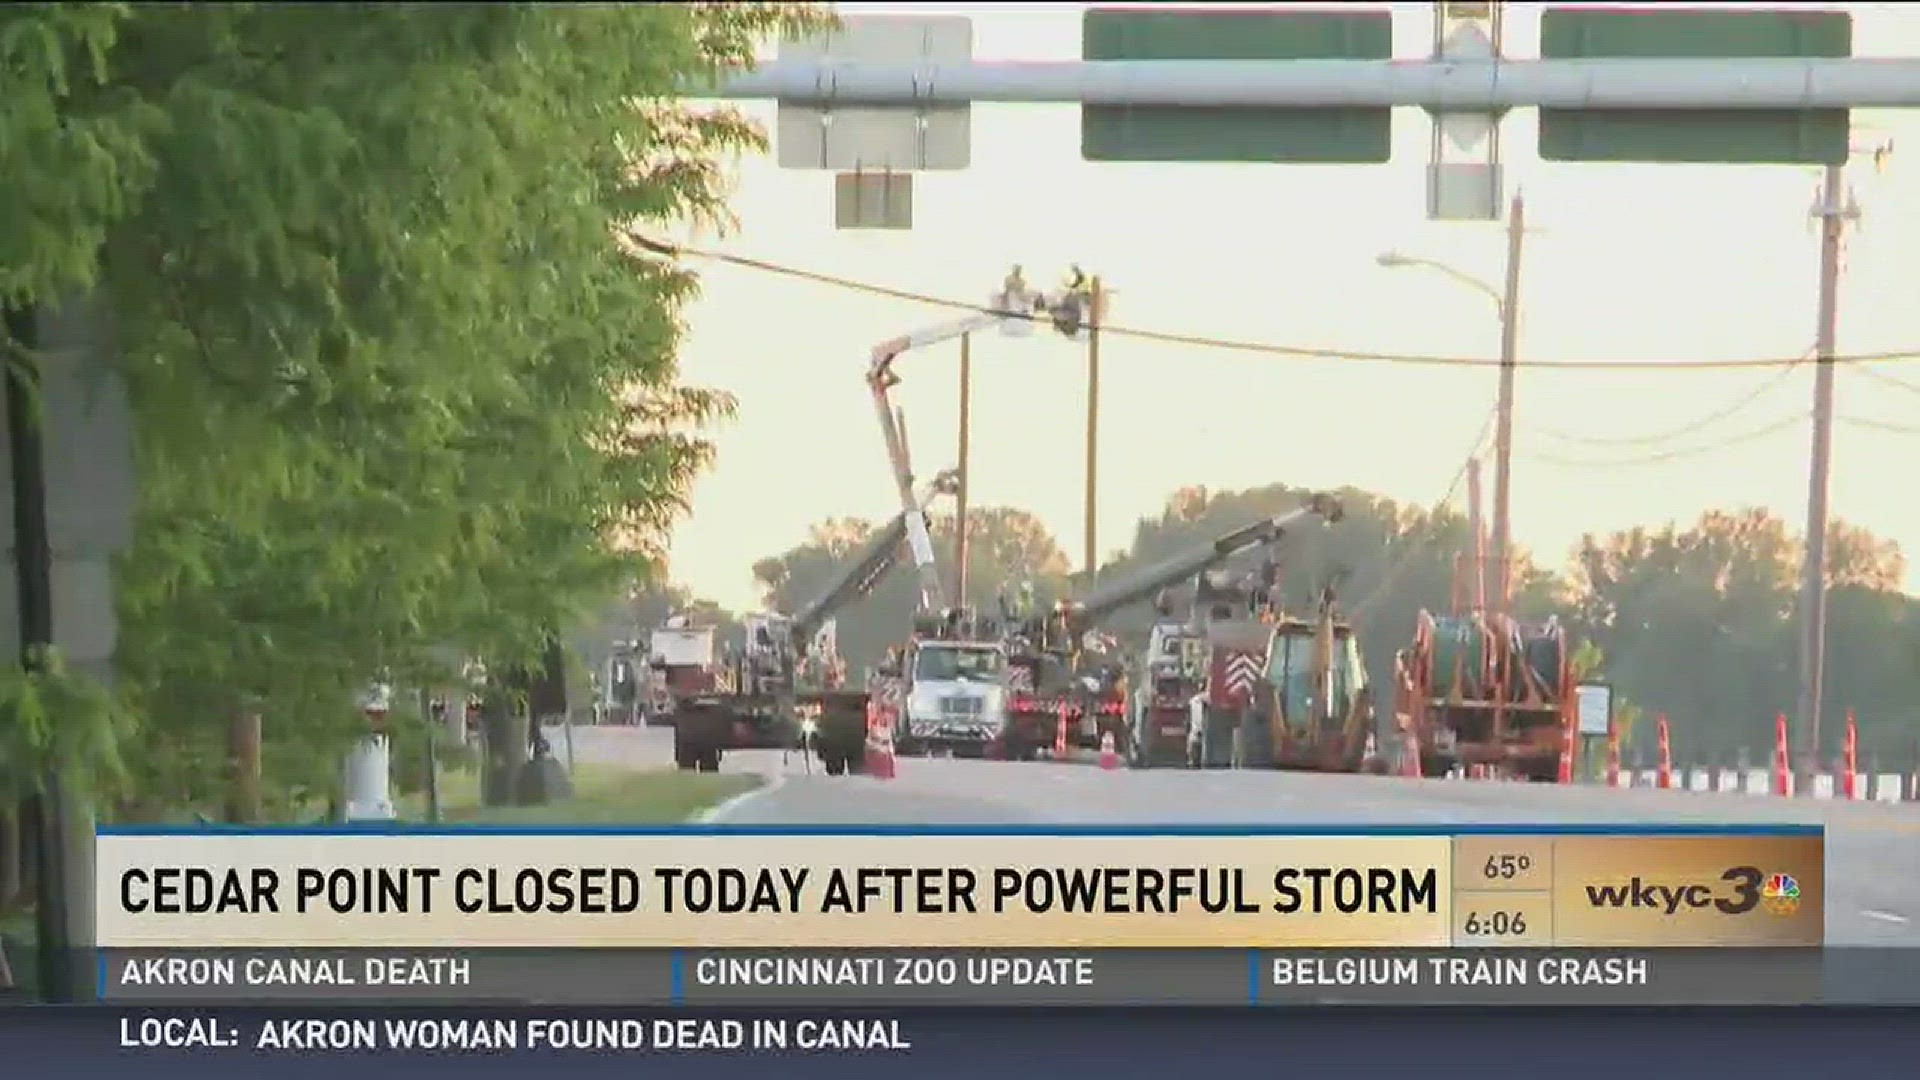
[602,795]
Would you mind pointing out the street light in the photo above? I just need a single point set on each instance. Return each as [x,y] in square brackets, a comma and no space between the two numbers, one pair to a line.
[1506,305]
[1394,260]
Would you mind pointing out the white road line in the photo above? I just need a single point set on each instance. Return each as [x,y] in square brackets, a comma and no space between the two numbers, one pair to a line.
[1885,916]
[716,814]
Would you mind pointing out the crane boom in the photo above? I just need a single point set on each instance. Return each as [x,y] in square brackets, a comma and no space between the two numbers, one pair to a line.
[1142,584]
[870,566]
[1013,302]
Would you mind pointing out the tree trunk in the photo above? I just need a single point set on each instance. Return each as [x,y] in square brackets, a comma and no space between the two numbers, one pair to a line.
[10,858]
[505,745]
[243,763]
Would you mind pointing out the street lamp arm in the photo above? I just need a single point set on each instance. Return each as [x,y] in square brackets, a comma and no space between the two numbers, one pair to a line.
[1461,276]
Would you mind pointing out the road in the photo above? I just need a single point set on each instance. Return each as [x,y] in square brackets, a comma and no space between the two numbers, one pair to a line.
[1873,850]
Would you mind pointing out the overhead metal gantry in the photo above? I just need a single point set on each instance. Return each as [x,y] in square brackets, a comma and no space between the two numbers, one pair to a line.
[1431,84]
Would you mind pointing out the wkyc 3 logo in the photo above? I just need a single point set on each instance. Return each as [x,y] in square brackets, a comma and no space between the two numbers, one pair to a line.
[1740,889]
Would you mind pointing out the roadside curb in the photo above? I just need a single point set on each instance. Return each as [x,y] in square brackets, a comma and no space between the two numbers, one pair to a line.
[717,814]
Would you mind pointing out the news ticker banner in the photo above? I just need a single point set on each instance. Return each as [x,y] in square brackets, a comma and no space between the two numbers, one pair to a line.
[987,978]
[960,889]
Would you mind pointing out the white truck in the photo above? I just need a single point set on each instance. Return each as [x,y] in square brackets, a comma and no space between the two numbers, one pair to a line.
[956,696]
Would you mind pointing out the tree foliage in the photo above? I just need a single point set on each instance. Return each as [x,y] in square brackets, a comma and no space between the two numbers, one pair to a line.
[402,392]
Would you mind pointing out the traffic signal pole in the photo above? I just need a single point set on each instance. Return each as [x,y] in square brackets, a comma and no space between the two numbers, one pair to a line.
[1452,85]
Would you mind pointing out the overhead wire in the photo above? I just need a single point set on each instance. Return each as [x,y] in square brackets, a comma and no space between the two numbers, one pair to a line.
[1657,457]
[1682,431]
[1398,567]
[1885,379]
[1299,352]
[1879,425]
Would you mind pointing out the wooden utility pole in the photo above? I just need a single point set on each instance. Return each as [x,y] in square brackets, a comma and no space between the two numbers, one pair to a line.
[1478,544]
[1503,430]
[1096,314]
[1834,211]
[960,497]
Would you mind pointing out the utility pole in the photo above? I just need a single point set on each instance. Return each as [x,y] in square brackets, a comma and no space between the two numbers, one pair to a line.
[1503,430]
[1478,545]
[1096,314]
[960,497]
[1834,211]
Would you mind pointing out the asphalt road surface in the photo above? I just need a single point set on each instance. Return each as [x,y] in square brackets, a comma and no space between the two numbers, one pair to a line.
[1873,850]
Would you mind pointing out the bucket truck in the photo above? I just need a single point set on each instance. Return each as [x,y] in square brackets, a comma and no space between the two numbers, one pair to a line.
[785,687]
[948,683]
[1062,669]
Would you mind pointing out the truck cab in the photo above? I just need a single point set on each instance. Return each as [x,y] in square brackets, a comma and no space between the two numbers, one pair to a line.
[956,696]
[1172,672]
[686,659]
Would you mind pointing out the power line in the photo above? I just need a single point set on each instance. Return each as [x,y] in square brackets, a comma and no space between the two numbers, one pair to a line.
[1885,379]
[1392,577]
[1299,352]
[1691,427]
[1680,452]
[1878,425]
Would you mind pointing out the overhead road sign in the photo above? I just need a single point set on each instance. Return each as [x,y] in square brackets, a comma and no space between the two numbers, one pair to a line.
[875,147]
[1816,133]
[1172,132]
[1731,84]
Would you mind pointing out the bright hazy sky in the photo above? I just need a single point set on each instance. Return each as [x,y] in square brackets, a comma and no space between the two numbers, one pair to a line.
[1629,262]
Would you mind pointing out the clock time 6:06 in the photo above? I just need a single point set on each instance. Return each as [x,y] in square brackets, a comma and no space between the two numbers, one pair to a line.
[1495,924]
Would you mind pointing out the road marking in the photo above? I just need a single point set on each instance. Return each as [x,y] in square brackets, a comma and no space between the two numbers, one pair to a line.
[714,815]
[1885,916]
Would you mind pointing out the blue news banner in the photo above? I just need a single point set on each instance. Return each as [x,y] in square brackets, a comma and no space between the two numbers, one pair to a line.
[207,1042]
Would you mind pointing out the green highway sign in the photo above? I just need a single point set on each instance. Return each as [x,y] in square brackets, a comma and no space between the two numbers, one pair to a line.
[1333,135]
[1730,136]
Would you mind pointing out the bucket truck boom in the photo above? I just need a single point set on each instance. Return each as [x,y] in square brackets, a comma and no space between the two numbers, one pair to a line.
[1015,305]
[1052,645]
[784,687]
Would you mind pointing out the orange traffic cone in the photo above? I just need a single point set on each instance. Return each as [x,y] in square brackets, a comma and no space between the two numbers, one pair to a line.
[1109,757]
[880,762]
[1782,776]
[1850,760]
[1666,755]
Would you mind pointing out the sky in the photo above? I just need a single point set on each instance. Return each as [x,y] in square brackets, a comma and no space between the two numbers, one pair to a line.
[1622,262]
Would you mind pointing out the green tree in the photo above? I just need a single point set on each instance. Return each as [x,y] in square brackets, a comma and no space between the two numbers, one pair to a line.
[1701,624]
[402,390]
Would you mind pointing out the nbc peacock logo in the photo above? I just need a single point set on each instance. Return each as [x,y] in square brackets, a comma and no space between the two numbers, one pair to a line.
[1781,894]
